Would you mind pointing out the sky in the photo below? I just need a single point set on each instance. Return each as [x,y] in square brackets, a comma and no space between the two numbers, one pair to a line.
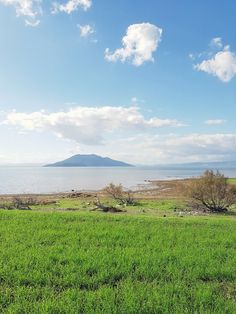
[145,81]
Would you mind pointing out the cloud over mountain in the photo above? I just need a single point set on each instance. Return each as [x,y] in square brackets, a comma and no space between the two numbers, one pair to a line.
[88,125]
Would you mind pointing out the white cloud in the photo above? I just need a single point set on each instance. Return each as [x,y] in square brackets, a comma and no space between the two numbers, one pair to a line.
[191,56]
[88,125]
[202,146]
[216,42]
[32,23]
[172,148]
[139,44]
[126,133]
[134,99]
[29,9]
[85,30]
[221,65]
[71,6]
[215,121]
[203,142]
[137,101]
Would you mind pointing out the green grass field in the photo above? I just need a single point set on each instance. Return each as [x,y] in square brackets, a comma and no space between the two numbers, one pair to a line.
[86,262]
[147,206]
[231,180]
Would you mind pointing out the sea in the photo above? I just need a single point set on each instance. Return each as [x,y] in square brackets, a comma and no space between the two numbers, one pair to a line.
[43,180]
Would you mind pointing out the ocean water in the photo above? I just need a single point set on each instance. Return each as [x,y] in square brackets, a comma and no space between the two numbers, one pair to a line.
[14,180]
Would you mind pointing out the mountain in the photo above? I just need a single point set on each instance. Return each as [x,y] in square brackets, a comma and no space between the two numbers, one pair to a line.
[89,161]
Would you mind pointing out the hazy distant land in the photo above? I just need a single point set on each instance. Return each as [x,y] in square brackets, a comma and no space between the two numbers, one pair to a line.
[90,160]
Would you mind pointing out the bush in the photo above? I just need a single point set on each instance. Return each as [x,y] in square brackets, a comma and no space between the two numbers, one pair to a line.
[20,203]
[118,193]
[212,191]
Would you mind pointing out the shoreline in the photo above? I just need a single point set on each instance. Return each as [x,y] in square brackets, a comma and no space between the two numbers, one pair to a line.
[142,188]
[142,185]
[147,187]
[35,181]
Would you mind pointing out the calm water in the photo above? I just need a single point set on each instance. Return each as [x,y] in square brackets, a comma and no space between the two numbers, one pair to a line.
[15,180]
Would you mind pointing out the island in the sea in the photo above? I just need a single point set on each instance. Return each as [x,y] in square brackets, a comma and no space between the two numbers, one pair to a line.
[90,160]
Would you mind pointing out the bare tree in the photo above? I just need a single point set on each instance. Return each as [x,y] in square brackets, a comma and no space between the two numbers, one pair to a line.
[118,193]
[212,191]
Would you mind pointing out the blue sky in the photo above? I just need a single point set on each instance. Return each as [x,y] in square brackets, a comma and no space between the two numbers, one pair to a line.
[167,94]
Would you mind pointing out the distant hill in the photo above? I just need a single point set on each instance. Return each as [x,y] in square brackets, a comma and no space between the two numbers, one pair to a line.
[201,165]
[89,161]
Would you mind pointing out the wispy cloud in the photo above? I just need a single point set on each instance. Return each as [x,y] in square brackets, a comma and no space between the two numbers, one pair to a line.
[85,30]
[30,10]
[71,6]
[138,45]
[172,148]
[216,42]
[215,121]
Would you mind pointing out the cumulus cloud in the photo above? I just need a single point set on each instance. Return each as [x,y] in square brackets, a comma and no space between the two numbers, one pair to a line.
[88,125]
[215,121]
[71,6]
[222,64]
[29,9]
[85,30]
[139,44]
[126,133]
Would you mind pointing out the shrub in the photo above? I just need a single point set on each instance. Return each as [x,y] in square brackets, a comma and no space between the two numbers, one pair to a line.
[212,191]
[20,203]
[118,193]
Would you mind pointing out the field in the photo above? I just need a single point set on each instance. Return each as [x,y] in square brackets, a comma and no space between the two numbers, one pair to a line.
[157,256]
[232,181]
[87,262]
